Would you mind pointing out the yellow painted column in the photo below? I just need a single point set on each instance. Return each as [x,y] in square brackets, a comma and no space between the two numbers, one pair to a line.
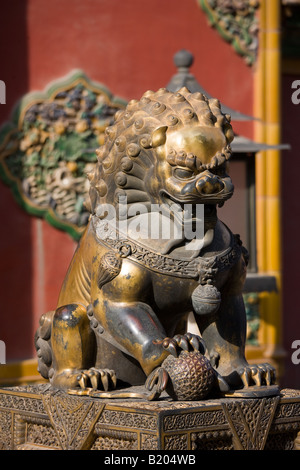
[268,197]
[260,131]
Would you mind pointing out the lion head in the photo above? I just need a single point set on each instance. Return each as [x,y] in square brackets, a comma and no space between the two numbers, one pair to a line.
[166,148]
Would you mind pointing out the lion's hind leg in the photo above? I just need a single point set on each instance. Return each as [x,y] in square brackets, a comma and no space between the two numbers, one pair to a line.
[66,345]
[43,345]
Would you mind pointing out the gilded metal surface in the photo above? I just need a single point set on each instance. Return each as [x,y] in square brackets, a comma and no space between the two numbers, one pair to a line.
[124,303]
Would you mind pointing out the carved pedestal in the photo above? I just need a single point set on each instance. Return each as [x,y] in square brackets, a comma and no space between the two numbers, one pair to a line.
[38,417]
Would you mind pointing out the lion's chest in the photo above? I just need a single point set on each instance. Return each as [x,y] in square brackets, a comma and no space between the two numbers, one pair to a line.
[172,294]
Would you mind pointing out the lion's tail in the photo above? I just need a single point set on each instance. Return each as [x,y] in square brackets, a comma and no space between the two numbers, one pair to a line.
[43,345]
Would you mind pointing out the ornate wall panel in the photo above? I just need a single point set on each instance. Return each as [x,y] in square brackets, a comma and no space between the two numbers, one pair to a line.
[49,146]
[236,22]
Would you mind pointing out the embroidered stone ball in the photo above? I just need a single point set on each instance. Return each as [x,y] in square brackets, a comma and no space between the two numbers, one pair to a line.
[191,376]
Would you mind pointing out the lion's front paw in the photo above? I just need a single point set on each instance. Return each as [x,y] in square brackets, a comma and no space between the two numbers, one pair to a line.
[188,342]
[98,379]
[258,374]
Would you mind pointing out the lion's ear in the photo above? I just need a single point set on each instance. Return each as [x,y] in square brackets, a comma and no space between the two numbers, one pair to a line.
[159,136]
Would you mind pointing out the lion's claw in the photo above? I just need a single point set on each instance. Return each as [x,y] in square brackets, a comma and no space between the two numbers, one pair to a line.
[159,379]
[185,342]
[170,345]
[260,374]
[182,342]
[99,379]
[196,342]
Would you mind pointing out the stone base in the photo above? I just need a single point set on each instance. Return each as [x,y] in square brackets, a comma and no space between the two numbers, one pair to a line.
[39,417]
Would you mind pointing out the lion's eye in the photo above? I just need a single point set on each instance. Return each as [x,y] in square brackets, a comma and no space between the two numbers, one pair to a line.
[183,173]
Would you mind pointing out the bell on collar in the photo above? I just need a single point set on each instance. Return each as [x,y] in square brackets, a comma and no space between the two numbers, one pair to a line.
[206,299]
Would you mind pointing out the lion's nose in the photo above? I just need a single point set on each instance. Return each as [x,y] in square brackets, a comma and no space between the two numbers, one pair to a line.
[206,183]
[209,183]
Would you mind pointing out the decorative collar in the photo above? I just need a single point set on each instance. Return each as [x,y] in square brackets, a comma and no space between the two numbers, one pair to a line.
[195,268]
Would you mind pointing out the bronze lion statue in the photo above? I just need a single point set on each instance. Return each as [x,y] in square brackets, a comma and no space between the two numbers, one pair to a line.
[123,308]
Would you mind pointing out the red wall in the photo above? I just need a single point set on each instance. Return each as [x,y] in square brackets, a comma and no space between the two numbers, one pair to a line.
[126,45]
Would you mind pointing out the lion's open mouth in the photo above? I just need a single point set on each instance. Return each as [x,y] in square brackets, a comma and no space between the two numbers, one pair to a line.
[191,210]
